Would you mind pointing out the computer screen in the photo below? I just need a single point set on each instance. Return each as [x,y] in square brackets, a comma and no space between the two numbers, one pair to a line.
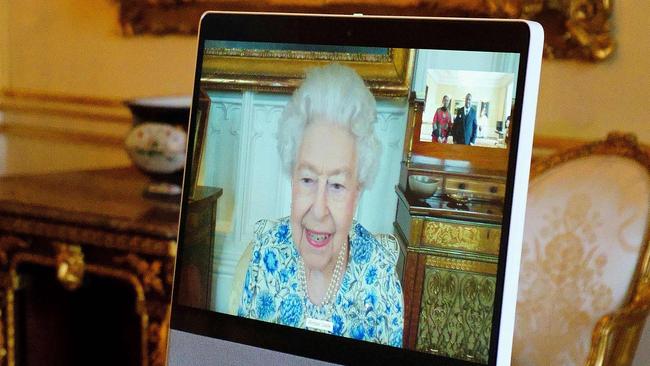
[366,194]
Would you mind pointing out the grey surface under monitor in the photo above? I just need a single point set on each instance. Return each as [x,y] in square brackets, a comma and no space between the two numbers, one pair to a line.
[191,349]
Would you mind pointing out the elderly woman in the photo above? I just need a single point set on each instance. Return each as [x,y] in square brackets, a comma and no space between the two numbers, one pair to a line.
[318,269]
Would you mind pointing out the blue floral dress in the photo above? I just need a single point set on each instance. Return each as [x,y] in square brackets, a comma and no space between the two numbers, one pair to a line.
[368,305]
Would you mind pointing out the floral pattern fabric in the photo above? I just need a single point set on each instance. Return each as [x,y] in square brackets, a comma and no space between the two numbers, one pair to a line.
[369,302]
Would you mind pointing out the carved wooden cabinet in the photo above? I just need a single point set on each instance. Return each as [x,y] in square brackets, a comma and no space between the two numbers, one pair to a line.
[449,276]
[199,247]
[451,240]
[86,268]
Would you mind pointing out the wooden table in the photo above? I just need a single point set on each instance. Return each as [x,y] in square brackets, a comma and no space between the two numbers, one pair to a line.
[72,233]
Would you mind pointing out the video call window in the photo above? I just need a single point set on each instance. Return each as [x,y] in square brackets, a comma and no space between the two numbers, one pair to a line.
[323,185]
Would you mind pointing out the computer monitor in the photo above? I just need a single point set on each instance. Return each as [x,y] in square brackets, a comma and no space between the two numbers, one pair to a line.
[346,232]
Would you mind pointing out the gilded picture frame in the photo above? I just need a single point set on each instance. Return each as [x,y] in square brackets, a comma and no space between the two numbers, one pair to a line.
[387,74]
[575,29]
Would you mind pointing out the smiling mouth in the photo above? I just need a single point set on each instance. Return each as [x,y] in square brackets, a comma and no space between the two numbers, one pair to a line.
[317,239]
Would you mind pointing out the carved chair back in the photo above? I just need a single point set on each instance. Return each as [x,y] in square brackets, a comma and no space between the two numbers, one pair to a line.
[583,288]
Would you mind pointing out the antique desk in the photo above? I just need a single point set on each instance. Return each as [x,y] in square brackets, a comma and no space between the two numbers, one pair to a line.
[450,242]
[86,267]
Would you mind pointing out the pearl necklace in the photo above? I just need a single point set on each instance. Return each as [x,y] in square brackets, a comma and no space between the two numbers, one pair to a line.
[334,281]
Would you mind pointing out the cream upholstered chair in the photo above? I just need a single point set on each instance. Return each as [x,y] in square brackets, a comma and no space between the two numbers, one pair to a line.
[584,287]
[388,241]
[238,279]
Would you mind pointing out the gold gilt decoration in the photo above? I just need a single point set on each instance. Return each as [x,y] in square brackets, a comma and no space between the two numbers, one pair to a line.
[573,28]
[11,326]
[299,55]
[447,235]
[157,355]
[462,265]
[70,265]
[101,238]
[10,243]
[158,333]
[281,71]
[630,318]
[3,348]
[169,270]
[149,272]
[617,143]
[416,230]
[456,314]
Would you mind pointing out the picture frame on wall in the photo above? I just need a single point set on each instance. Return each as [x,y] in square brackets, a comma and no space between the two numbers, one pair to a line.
[575,30]
[280,68]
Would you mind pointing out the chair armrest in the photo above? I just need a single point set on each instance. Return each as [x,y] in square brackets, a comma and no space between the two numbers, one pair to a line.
[238,279]
[633,314]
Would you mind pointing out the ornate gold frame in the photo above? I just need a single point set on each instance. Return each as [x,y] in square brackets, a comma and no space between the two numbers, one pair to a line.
[574,28]
[616,335]
[281,71]
[149,273]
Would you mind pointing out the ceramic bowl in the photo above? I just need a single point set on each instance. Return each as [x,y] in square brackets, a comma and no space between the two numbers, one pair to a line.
[423,185]
[157,148]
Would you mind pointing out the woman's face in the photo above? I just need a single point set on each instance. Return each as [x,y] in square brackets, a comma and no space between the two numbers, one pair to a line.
[324,193]
[445,101]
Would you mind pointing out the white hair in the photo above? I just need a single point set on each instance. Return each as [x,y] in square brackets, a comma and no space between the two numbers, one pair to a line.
[334,94]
